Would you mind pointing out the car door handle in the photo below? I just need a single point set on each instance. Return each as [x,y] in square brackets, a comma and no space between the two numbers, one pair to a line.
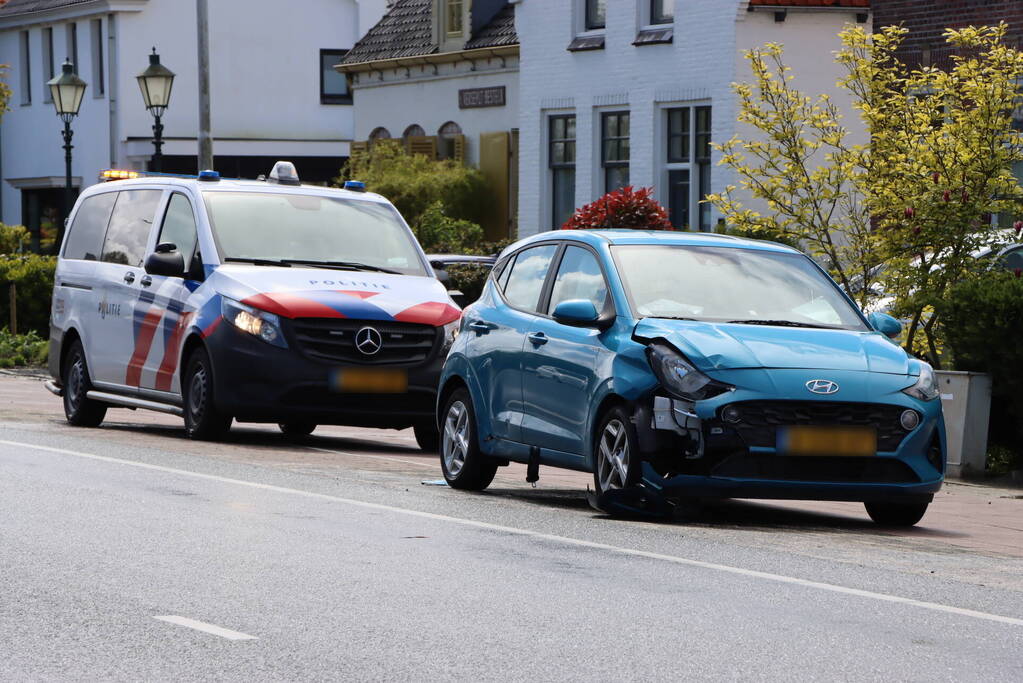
[480,326]
[146,280]
[129,277]
[537,338]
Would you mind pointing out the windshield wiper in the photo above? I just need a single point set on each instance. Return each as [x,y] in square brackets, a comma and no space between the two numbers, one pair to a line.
[780,323]
[340,265]
[673,317]
[257,261]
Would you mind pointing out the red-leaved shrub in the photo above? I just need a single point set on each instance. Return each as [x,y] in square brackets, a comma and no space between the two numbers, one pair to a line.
[624,208]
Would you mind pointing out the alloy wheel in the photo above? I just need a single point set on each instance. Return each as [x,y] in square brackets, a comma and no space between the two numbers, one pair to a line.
[456,438]
[613,456]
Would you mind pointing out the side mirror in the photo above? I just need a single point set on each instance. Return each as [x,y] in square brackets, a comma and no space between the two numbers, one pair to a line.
[166,263]
[576,312]
[885,324]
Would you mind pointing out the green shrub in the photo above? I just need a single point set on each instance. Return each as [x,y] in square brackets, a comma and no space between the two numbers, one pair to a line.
[33,276]
[19,350]
[413,183]
[13,238]
[982,321]
[438,233]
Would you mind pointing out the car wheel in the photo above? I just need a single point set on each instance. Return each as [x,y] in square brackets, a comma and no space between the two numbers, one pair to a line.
[202,419]
[296,428]
[80,410]
[896,514]
[427,436]
[616,456]
[463,464]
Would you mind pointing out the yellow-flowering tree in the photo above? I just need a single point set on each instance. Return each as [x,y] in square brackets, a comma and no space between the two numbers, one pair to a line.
[907,210]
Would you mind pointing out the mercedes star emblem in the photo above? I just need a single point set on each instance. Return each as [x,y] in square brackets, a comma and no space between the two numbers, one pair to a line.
[368,341]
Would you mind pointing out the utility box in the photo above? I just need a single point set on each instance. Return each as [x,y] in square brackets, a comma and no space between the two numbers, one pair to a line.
[966,404]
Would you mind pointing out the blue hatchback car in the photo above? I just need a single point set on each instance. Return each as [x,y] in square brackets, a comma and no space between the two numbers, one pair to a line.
[688,365]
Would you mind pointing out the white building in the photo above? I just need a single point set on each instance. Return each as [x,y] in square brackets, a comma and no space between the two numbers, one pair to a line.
[617,92]
[274,93]
[442,75]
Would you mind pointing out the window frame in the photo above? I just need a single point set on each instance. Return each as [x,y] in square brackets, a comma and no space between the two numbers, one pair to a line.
[692,162]
[332,98]
[97,51]
[102,234]
[49,70]
[160,204]
[544,296]
[71,35]
[609,303]
[25,48]
[554,166]
[653,18]
[609,166]
[454,9]
[588,24]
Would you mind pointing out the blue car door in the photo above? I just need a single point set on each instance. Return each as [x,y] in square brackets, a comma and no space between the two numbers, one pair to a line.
[498,324]
[563,365]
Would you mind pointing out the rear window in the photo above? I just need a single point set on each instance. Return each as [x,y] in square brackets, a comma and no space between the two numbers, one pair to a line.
[129,226]
[85,239]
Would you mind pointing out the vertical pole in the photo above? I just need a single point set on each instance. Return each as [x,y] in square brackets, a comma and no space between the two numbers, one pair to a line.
[158,144]
[205,138]
[14,308]
[69,199]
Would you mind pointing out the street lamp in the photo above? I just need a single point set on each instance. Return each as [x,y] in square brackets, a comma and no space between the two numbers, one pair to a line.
[156,83]
[67,91]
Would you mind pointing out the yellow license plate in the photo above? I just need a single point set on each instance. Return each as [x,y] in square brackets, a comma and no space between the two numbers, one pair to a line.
[852,441]
[370,381]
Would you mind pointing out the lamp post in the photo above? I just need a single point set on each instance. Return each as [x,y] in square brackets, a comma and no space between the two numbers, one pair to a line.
[67,91]
[156,83]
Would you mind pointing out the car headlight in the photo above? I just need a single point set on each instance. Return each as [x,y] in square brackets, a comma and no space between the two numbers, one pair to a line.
[926,387]
[679,377]
[261,324]
[451,331]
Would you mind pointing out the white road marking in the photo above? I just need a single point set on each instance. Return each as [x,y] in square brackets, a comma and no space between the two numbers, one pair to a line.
[752,573]
[432,466]
[206,628]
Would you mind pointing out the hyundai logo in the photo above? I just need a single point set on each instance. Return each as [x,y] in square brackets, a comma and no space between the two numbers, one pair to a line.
[822,386]
[368,341]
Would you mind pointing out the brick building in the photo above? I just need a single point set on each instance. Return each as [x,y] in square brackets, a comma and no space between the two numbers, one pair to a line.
[927,21]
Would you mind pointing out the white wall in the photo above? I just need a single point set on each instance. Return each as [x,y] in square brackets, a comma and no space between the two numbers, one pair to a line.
[432,102]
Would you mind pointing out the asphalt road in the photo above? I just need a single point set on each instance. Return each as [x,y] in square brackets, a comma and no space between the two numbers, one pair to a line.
[129,552]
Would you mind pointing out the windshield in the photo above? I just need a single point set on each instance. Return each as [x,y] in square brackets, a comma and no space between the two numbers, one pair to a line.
[724,284]
[308,229]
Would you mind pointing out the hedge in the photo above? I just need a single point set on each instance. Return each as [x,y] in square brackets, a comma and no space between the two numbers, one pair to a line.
[32,275]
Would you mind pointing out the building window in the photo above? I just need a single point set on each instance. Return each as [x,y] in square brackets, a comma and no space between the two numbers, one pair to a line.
[26,70]
[48,69]
[561,159]
[415,130]
[72,44]
[379,134]
[596,14]
[688,166]
[96,38]
[615,149]
[662,11]
[333,85]
[453,25]
[451,141]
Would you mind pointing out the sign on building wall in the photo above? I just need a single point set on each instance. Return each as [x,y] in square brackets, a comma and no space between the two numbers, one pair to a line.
[476,98]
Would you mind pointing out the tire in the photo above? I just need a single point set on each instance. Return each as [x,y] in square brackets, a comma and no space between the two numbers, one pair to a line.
[427,436]
[464,465]
[298,428]
[616,460]
[202,419]
[79,410]
[896,514]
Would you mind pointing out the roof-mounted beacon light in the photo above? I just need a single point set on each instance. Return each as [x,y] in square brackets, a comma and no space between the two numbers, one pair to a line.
[117,174]
[284,173]
[209,176]
[355,185]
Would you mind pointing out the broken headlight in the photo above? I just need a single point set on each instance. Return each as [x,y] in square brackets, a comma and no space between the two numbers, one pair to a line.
[926,387]
[678,376]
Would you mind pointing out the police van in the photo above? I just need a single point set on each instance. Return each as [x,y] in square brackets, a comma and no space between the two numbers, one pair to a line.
[257,301]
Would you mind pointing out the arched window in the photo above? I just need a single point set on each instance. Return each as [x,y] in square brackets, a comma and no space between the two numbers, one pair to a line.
[452,142]
[415,130]
[380,134]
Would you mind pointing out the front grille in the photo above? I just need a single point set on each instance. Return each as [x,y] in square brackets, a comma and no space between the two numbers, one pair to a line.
[333,340]
[816,468]
[759,420]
